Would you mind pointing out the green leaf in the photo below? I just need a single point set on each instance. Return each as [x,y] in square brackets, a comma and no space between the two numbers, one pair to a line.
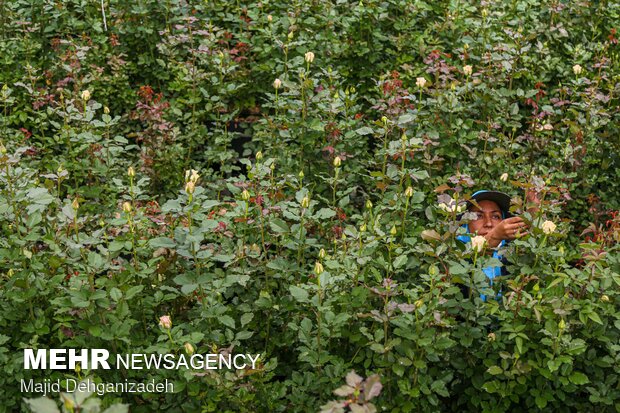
[418,197]
[117,408]
[595,317]
[405,119]
[364,131]
[325,213]
[519,344]
[400,261]
[578,378]
[40,196]
[541,402]
[116,294]
[495,370]
[42,405]
[131,292]
[278,225]
[116,246]
[244,335]
[162,242]
[299,294]
[246,318]
[33,219]
[227,320]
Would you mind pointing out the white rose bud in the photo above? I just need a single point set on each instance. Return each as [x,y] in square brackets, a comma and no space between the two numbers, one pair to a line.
[577,69]
[189,349]
[270,18]
[165,321]
[75,204]
[245,195]
[277,84]
[548,227]
[478,242]
[305,202]
[106,110]
[467,70]
[259,155]
[420,82]
[309,57]
[131,172]
[562,324]
[409,192]
[127,207]
[337,161]
[85,94]
[393,231]
[318,268]
[194,176]
[190,187]
[504,177]
[322,253]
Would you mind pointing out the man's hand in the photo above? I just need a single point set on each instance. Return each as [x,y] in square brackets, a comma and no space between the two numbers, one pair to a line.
[508,229]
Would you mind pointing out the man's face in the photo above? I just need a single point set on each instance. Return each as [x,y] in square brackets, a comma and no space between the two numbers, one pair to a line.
[489,215]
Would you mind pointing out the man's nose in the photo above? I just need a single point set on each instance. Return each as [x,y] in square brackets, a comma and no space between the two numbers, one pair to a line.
[487,222]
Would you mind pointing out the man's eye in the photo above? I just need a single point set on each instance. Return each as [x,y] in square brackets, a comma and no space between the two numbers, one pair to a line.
[478,216]
[496,217]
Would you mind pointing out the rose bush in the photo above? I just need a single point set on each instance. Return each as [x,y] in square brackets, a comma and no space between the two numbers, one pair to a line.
[290,180]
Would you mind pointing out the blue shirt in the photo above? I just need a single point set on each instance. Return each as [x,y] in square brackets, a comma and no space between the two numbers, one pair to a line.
[491,271]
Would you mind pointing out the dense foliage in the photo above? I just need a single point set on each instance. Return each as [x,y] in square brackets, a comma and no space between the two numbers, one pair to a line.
[320,135]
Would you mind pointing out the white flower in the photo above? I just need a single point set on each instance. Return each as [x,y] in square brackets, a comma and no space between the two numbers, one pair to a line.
[420,82]
[191,175]
[577,69]
[478,242]
[467,70]
[444,207]
[309,57]
[165,321]
[548,227]
[337,161]
[277,84]
[504,177]
[305,202]
[190,187]
[269,18]
[409,192]
[318,268]
[85,94]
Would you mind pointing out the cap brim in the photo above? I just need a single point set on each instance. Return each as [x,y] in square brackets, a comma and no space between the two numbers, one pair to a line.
[501,199]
